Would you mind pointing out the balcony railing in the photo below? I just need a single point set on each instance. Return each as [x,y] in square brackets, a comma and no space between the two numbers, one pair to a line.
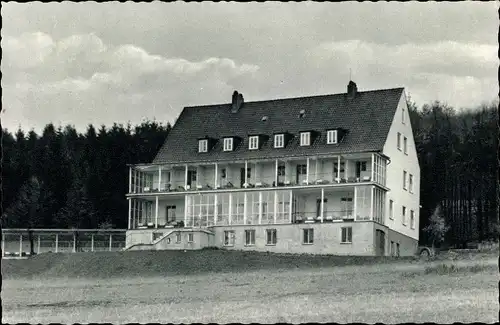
[328,216]
[254,182]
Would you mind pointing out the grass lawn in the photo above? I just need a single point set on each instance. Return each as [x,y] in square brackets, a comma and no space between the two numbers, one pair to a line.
[379,292]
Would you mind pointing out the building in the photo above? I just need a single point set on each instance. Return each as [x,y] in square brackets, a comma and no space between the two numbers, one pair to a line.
[332,174]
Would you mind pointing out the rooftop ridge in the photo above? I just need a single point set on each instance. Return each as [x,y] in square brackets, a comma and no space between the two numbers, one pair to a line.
[292,98]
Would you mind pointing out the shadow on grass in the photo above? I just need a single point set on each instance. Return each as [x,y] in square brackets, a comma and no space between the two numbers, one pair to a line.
[444,269]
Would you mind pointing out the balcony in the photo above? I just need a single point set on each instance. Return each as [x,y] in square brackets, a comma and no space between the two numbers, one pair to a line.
[312,171]
[278,206]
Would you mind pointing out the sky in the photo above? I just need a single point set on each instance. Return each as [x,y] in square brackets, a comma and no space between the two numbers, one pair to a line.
[100,63]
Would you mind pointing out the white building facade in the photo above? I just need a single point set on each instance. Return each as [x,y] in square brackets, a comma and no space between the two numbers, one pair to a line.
[260,189]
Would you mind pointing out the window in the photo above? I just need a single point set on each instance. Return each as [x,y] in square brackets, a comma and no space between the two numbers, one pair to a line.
[271,238]
[249,237]
[178,237]
[335,167]
[404,216]
[253,142]
[229,238]
[305,138]
[404,179]
[412,219]
[346,235]
[157,235]
[223,173]
[228,144]
[391,209]
[308,236]
[279,140]
[190,238]
[405,145]
[203,145]
[281,170]
[411,183]
[331,137]
[170,213]
[399,141]
[403,115]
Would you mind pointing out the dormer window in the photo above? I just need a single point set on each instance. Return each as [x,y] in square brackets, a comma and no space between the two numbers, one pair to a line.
[305,138]
[203,145]
[331,136]
[253,142]
[279,140]
[228,144]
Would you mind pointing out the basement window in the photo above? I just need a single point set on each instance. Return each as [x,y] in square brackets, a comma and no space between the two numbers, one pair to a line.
[346,235]
[228,144]
[190,238]
[253,142]
[308,236]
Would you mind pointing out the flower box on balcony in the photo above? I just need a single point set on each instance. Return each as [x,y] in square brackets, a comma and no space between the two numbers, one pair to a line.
[199,187]
[147,189]
[366,178]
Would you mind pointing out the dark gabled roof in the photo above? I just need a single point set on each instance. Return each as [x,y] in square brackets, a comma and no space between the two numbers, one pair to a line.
[367,118]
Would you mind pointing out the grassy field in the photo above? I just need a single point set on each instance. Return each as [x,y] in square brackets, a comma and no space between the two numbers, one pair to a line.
[255,287]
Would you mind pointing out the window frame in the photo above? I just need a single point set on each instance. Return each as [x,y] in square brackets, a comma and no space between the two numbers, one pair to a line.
[399,141]
[281,142]
[203,145]
[403,116]
[410,183]
[405,174]
[331,137]
[405,145]
[403,214]
[253,142]
[178,238]
[190,237]
[347,231]
[231,238]
[310,236]
[391,209]
[412,219]
[250,232]
[274,237]
[228,144]
[303,137]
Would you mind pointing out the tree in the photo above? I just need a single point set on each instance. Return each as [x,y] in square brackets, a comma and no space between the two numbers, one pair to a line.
[437,227]
[26,210]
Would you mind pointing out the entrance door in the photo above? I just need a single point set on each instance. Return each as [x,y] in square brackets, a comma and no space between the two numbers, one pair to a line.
[318,207]
[379,243]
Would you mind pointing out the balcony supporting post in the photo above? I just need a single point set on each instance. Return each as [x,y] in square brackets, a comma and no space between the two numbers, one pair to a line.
[373,168]
[57,243]
[276,173]
[20,245]
[74,242]
[156,211]
[216,210]
[110,242]
[245,208]
[159,179]
[186,204]
[260,208]
[275,206]
[38,245]
[3,244]
[230,208]
[307,171]
[130,179]
[338,169]
[246,173]
[129,213]
[290,207]
[316,169]
[92,242]
[355,203]
[371,203]
[216,176]
[322,205]
[186,177]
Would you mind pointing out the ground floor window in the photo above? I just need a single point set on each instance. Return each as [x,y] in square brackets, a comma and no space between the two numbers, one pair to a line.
[178,237]
[271,238]
[190,238]
[308,236]
[249,237]
[229,238]
[346,235]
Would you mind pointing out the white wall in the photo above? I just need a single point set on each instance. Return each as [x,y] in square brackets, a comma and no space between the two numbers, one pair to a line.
[400,162]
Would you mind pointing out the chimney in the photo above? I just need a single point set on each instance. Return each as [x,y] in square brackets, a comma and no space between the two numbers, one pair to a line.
[237,102]
[352,89]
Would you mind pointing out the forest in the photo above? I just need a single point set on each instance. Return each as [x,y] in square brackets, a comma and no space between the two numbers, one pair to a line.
[66,179]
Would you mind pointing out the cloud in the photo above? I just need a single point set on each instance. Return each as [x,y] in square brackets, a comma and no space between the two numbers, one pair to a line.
[101,83]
